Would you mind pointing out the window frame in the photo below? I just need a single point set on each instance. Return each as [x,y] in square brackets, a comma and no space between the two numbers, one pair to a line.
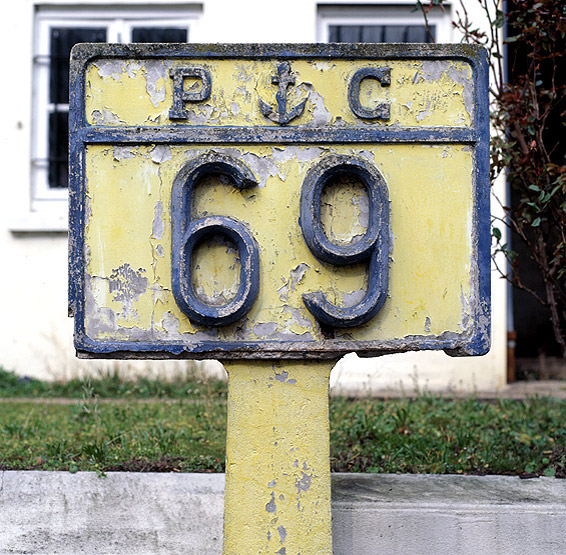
[118,20]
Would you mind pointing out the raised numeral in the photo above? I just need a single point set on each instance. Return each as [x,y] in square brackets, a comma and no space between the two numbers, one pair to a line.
[373,246]
[187,233]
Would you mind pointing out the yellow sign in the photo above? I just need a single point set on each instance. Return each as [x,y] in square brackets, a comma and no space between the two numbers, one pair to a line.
[173,148]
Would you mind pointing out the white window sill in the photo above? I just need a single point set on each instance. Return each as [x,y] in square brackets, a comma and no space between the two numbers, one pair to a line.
[40,222]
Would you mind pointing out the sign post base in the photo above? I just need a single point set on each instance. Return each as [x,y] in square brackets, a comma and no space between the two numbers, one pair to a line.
[277,498]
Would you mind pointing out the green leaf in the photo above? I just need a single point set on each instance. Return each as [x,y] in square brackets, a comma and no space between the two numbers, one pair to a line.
[499,19]
[512,39]
[497,233]
[536,222]
[550,471]
[530,467]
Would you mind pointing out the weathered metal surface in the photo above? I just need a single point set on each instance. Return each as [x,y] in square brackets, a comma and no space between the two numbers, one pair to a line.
[277,497]
[166,139]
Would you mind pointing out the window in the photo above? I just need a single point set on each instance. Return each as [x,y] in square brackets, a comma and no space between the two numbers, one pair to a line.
[381,33]
[381,23]
[57,30]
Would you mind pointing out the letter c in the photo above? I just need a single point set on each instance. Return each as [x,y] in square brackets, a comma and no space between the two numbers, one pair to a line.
[381,111]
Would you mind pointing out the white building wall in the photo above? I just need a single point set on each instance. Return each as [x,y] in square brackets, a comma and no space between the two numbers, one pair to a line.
[35,332]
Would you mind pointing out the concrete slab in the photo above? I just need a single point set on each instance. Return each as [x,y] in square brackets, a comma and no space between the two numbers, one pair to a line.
[441,515]
[57,513]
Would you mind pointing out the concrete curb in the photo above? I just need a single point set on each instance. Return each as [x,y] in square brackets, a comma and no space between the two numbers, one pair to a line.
[60,513]
[517,390]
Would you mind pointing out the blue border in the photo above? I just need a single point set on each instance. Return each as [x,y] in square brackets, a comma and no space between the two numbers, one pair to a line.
[287,135]
[81,134]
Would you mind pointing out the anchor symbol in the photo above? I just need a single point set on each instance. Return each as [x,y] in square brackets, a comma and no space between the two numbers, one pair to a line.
[284,79]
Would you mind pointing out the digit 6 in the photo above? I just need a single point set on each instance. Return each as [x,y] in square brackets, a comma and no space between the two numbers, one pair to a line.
[187,233]
[374,245]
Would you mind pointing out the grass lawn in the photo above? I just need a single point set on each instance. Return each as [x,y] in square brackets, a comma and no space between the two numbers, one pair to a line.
[110,424]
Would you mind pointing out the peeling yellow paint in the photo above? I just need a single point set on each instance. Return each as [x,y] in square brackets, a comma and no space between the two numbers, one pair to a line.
[422,93]
[216,271]
[277,459]
[430,265]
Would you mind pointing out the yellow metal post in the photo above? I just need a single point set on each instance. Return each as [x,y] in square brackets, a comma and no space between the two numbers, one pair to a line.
[277,498]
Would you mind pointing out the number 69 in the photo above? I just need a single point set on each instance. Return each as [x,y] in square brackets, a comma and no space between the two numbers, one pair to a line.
[373,246]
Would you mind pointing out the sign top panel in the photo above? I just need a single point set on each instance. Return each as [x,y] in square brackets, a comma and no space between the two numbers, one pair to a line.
[417,86]
[278,201]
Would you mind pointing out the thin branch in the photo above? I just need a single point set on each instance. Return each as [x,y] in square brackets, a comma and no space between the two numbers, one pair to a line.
[498,75]
[515,282]
[427,25]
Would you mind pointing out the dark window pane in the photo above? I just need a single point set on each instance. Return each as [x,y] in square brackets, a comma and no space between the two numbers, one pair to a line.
[394,33]
[372,33]
[159,34]
[58,153]
[346,33]
[418,33]
[62,40]
[333,33]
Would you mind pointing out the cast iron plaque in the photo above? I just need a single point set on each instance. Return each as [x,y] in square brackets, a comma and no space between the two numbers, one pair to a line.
[278,201]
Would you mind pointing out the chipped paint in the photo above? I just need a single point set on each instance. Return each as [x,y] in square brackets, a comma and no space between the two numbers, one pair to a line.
[446,84]
[156,76]
[126,285]
[122,153]
[158,226]
[424,281]
[160,154]
[303,483]
[128,179]
[271,507]
[282,533]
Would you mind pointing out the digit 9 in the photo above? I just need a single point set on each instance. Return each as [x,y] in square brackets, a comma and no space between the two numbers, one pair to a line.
[373,247]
